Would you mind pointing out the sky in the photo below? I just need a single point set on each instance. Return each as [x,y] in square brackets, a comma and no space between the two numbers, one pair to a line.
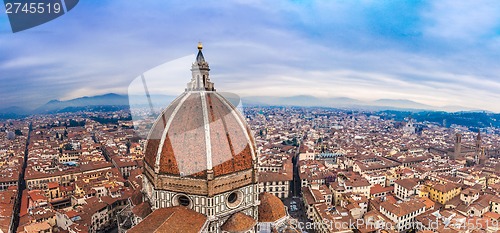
[440,53]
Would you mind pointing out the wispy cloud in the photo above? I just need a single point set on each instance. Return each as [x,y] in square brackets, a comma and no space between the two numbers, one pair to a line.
[434,52]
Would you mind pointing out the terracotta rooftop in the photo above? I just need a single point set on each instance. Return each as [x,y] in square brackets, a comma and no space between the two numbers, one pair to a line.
[178,219]
[38,227]
[444,188]
[377,188]
[200,131]
[269,176]
[492,215]
[408,184]
[404,208]
[142,210]
[52,185]
[271,208]
[427,202]
[470,192]
[239,222]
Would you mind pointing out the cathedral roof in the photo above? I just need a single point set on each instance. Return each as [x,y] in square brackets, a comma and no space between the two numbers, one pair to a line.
[171,219]
[239,222]
[142,210]
[271,208]
[200,132]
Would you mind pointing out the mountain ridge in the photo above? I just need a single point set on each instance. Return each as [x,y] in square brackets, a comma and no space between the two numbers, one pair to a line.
[114,99]
[346,102]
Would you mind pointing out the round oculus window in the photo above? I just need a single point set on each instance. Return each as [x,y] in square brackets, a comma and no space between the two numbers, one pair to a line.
[183,201]
[234,199]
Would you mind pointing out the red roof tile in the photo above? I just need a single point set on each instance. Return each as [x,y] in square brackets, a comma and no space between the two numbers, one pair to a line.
[170,220]
[239,222]
[184,149]
[271,208]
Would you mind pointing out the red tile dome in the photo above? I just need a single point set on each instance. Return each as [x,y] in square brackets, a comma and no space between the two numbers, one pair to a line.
[200,131]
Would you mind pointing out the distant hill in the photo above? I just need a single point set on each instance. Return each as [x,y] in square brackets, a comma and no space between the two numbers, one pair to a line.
[397,109]
[103,102]
[472,119]
[301,100]
[401,103]
[14,109]
[13,112]
[161,101]
[99,100]
[348,103]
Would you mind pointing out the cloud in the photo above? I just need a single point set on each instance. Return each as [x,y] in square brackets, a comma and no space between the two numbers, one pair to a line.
[438,53]
[465,21]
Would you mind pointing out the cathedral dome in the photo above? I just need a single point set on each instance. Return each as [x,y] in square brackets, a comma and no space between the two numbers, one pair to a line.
[200,158]
[201,134]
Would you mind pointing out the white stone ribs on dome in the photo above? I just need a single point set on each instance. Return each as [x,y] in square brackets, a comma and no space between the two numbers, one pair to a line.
[238,116]
[164,134]
[152,131]
[206,124]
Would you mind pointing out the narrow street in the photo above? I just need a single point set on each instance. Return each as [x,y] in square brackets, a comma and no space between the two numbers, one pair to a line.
[21,187]
[297,192]
[296,179]
[102,148]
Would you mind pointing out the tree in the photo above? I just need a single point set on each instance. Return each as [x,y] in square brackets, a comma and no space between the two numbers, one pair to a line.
[18,132]
[68,146]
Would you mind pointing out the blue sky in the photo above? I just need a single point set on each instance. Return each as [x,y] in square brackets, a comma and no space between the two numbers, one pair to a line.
[434,52]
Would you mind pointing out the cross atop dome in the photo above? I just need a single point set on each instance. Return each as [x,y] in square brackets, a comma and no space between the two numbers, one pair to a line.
[200,80]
